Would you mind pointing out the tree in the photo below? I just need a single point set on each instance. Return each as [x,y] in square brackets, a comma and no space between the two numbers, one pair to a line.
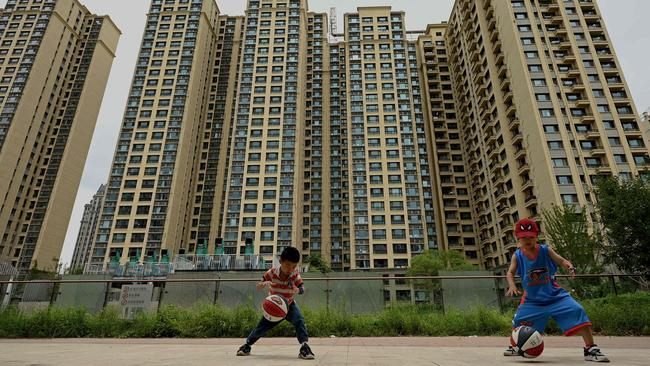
[573,237]
[317,263]
[624,209]
[432,261]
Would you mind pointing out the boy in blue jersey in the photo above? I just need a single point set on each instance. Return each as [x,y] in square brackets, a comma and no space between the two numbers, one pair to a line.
[543,298]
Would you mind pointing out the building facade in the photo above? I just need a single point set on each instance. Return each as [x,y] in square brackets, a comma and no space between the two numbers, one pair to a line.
[249,134]
[86,235]
[544,111]
[55,58]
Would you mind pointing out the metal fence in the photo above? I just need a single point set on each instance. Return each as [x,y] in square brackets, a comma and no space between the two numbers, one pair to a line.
[183,262]
[351,292]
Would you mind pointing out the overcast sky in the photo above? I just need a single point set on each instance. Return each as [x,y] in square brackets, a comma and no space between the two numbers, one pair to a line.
[625,21]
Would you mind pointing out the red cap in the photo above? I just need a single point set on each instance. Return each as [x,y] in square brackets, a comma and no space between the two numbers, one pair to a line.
[526,228]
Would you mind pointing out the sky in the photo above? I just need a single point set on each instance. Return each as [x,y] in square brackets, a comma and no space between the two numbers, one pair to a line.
[625,21]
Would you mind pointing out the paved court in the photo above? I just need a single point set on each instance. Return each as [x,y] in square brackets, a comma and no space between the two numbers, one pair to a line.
[402,351]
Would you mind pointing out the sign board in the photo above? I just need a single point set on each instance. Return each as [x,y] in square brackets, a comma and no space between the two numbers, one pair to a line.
[135,299]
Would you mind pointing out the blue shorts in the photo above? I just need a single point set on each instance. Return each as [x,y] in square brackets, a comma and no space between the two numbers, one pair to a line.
[568,314]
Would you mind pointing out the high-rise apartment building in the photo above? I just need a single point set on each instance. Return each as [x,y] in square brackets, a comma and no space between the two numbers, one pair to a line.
[86,236]
[388,203]
[543,108]
[249,134]
[150,197]
[455,216]
[55,57]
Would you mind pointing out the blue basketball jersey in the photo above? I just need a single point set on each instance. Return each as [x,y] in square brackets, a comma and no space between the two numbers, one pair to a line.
[538,276]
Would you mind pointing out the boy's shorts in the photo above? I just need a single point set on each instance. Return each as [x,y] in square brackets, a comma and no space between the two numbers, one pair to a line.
[568,314]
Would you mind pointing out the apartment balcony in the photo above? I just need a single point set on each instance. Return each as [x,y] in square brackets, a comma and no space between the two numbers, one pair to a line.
[604,169]
[501,196]
[593,135]
[507,97]
[523,168]
[598,151]
[514,123]
[530,200]
[526,184]
[558,19]
[520,153]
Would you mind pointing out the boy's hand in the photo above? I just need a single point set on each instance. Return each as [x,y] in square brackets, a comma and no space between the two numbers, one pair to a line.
[512,291]
[570,268]
[263,284]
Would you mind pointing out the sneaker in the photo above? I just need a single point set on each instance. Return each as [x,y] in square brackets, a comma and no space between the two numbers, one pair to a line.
[305,352]
[510,352]
[244,350]
[593,353]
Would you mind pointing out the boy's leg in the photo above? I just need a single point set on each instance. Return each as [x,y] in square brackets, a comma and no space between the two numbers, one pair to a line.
[573,320]
[262,327]
[294,316]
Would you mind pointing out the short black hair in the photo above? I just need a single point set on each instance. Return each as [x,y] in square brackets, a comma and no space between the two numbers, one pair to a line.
[290,254]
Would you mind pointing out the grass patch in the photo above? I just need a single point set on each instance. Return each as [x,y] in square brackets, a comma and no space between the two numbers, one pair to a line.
[613,315]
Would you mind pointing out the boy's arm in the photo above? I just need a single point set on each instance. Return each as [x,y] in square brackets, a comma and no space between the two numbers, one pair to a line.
[510,276]
[560,261]
[299,284]
[266,280]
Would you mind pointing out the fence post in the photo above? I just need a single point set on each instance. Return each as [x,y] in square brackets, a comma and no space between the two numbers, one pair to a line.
[327,294]
[216,291]
[162,291]
[611,277]
[498,289]
[109,285]
[55,289]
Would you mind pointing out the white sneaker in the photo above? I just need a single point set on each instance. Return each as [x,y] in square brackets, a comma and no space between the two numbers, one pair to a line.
[594,354]
[510,352]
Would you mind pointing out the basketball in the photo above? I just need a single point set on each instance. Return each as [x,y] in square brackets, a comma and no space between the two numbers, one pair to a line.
[275,308]
[527,342]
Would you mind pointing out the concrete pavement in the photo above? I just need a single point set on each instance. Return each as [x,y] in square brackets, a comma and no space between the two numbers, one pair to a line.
[402,351]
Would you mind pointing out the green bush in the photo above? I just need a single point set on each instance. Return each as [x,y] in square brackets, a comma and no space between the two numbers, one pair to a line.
[627,314]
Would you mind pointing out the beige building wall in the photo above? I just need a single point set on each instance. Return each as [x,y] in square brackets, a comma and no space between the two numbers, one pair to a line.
[316,236]
[390,202]
[448,158]
[56,58]
[264,198]
[545,108]
[87,230]
[216,136]
[148,208]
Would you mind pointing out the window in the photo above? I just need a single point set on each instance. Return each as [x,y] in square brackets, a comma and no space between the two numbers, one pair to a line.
[620,158]
[539,82]
[560,162]
[531,54]
[570,198]
[546,112]
[564,179]
[551,129]
[614,141]
[543,97]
